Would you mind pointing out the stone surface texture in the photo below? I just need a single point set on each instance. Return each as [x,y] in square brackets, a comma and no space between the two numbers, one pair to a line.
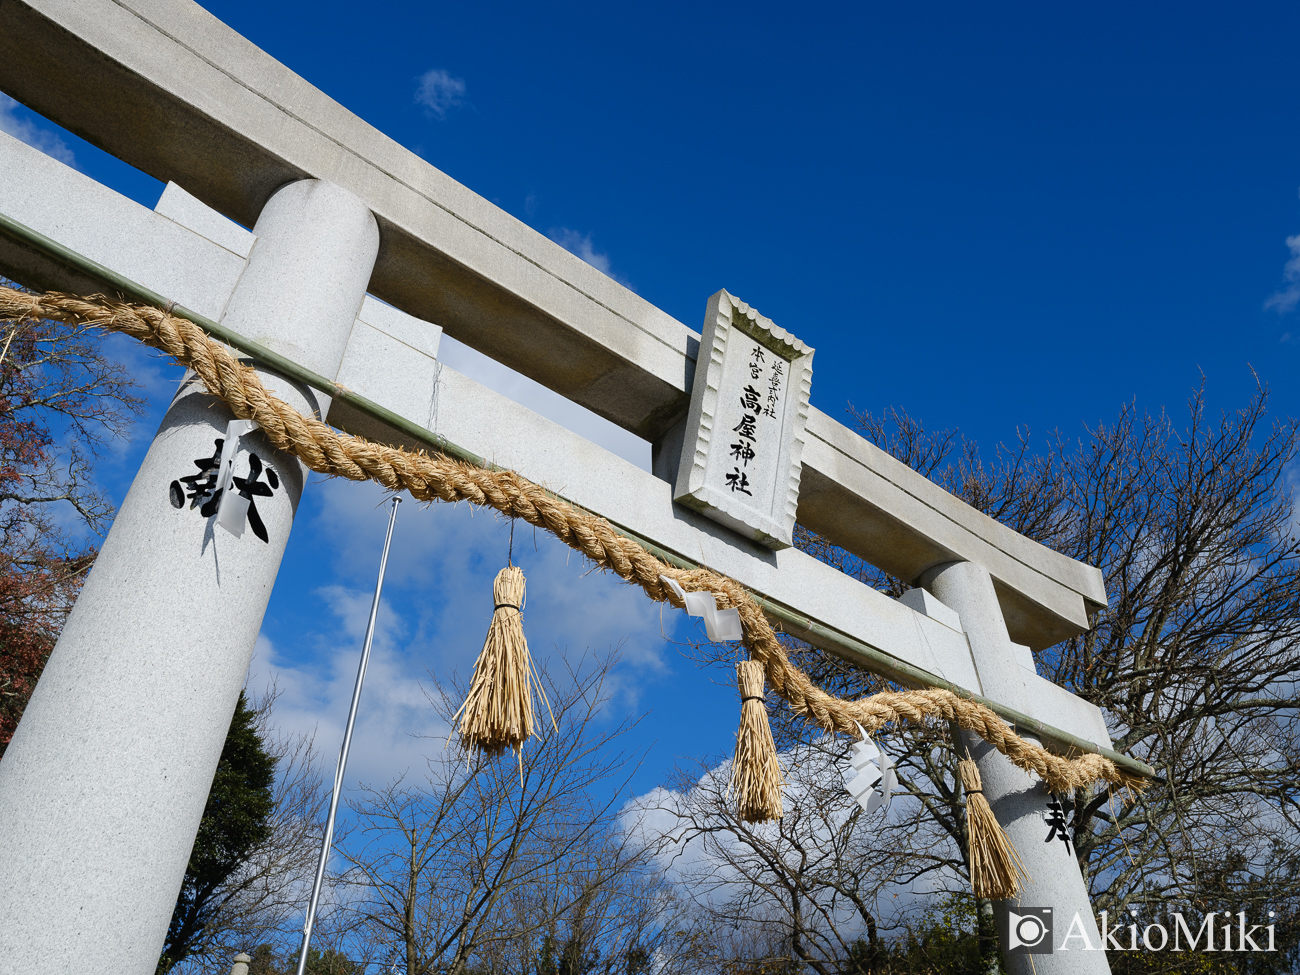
[1048,702]
[283,284]
[924,602]
[754,372]
[391,359]
[868,501]
[240,125]
[76,211]
[103,786]
[1018,799]
[177,205]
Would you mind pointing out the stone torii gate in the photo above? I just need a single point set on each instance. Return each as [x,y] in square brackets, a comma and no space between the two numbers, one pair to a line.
[103,787]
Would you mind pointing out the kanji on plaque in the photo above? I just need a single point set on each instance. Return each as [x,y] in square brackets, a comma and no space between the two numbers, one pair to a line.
[741,454]
[738,480]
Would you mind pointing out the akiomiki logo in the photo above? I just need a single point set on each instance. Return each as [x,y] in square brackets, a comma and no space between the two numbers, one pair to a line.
[1029,931]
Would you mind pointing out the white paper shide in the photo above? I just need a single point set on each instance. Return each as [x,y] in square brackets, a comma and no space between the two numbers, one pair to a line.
[869,775]
[721,625]
[742,453]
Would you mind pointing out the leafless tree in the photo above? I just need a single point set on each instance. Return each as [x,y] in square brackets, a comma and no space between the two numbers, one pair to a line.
[62,399]
[626,917]
[804,891]
[1193,662]
[489,861]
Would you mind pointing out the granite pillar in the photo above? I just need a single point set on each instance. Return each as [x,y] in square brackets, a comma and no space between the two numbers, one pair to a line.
[1018,799]
[104,784]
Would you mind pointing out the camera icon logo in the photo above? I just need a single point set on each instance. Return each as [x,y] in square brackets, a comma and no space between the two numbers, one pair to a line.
[1029,932]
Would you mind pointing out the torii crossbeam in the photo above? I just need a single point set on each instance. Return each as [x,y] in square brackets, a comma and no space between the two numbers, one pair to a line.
[100,797]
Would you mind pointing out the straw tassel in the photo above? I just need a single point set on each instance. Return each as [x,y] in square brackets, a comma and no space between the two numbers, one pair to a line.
[755,772]
[498,711]
[995,867]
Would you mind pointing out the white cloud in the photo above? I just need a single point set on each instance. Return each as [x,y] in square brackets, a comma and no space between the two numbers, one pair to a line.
[439,92]
[818,814]
[1287,299]
[25,130]
[435,612]
[394,720]
[580,245]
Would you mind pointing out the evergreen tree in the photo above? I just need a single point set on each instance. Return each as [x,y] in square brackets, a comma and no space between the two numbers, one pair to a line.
[266,961]
[235,820]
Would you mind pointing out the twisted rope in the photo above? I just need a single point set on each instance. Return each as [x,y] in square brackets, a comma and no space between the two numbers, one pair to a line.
[435,477]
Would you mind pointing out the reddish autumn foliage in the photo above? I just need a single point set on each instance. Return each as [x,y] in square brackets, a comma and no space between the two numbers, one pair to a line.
[60,400]
[33,603]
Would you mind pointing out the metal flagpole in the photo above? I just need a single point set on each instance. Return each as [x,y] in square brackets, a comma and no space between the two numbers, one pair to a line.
[343,754]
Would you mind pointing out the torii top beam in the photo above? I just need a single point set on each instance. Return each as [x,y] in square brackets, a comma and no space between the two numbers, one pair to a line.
[167,87]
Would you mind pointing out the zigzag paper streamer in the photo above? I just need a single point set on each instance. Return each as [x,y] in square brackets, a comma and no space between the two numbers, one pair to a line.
[233,509]
[869,776]
[719,624]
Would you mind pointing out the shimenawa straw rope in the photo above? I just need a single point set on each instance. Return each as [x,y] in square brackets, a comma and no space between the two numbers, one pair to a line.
[430,477]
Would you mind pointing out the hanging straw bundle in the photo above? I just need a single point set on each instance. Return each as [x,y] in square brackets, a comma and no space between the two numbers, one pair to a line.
[755,772]
[498,711]
[995,867]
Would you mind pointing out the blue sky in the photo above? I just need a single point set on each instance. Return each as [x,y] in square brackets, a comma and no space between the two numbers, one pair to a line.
[993,217]
[989,215]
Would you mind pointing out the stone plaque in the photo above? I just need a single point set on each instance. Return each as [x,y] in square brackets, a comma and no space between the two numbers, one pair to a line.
[745,433]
